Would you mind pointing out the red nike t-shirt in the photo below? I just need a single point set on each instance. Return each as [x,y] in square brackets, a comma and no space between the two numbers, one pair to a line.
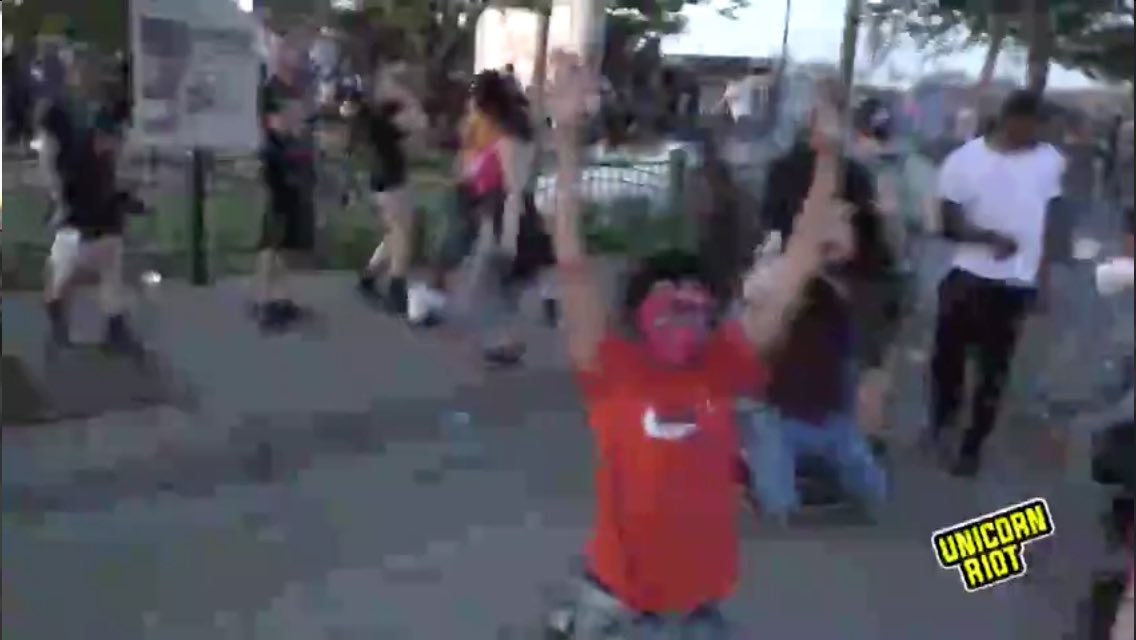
[665,536]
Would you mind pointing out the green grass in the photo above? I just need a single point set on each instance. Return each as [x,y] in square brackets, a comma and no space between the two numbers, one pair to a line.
[233,215]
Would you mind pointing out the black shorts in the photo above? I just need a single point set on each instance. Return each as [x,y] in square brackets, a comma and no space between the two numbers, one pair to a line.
[290,228]
[381,183]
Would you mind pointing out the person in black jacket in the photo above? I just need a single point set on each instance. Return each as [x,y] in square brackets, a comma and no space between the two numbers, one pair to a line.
[287,172]
[828,379]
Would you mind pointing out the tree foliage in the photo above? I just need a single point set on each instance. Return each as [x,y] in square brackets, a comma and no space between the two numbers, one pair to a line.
[1094,36]
[103,24]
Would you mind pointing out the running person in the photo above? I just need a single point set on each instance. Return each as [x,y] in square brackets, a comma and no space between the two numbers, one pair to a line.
[660,397]
[997,195]
[91,215]
[392,115]
[497,219]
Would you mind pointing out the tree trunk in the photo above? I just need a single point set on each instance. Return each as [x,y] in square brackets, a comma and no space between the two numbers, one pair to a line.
[1039,35]
[998,28]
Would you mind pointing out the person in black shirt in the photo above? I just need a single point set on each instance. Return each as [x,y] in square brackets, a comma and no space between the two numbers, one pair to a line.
[91,217]
[289,219]
[17,97]
[387,120]
[828,379]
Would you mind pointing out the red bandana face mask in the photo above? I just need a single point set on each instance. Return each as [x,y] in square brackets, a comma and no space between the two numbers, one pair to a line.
[675,322]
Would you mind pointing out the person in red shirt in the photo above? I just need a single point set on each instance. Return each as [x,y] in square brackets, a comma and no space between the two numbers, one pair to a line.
[660,388]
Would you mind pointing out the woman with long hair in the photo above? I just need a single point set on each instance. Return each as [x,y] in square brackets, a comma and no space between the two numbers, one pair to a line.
[829,378]
[497,222]
[391,116]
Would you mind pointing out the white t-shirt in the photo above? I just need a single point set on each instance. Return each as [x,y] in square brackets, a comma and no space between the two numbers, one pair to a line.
[1004,192]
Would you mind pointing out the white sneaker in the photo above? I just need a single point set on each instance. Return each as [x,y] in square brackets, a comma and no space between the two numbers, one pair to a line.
[1114,276]
[424,305]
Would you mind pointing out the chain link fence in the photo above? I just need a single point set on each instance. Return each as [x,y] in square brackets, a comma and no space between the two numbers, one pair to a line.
[621,196]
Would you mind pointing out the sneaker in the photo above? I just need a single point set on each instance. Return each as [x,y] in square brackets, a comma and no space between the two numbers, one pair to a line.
[424,306]
[559,625]
[278,315]
[119,338]
[506,355]
[366,284]
[397,295]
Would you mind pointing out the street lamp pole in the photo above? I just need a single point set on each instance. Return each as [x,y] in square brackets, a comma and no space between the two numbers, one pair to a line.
[539,82]
[852,15]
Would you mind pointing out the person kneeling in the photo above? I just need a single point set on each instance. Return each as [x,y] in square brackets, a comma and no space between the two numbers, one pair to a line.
[660,388]
[828,377]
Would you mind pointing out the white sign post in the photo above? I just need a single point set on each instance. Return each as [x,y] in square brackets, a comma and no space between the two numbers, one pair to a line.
[196,73]
[196,86]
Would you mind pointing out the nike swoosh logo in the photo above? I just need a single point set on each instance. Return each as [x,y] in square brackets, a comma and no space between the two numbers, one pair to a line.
[666,430]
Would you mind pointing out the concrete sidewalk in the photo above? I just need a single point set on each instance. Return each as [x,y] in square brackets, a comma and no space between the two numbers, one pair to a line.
[366,480]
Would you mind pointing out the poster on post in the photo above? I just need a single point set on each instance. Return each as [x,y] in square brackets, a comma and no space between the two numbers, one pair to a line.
[196,73]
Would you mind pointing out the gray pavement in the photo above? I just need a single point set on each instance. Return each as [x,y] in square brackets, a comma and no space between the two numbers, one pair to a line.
[321,487]
[366,480]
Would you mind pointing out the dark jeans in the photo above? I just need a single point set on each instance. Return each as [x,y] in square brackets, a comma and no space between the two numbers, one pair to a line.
[460,234]
[977,317]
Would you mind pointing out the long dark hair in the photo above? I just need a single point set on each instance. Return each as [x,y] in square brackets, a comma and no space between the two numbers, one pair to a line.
[498,98]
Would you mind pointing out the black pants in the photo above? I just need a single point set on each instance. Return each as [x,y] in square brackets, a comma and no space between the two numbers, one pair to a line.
[982,318]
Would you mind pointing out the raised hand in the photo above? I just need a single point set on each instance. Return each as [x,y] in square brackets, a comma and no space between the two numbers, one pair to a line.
[822,228]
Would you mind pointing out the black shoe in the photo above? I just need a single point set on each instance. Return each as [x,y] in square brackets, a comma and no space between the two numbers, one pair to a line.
[551,311]
[966,466]
[119,338]
[508,355]
[397,296]
[278,315]
[60,333]
[366,284]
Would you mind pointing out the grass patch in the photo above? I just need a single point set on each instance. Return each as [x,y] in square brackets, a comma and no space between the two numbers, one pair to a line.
[234,212]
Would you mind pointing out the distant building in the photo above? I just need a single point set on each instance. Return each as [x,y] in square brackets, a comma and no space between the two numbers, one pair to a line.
[715,73]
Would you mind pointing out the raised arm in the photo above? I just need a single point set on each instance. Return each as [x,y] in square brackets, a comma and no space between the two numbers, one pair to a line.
[585,317]
[776,288]
[771,304]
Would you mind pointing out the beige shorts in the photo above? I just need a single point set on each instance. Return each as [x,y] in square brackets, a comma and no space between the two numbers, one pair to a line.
[394,202]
